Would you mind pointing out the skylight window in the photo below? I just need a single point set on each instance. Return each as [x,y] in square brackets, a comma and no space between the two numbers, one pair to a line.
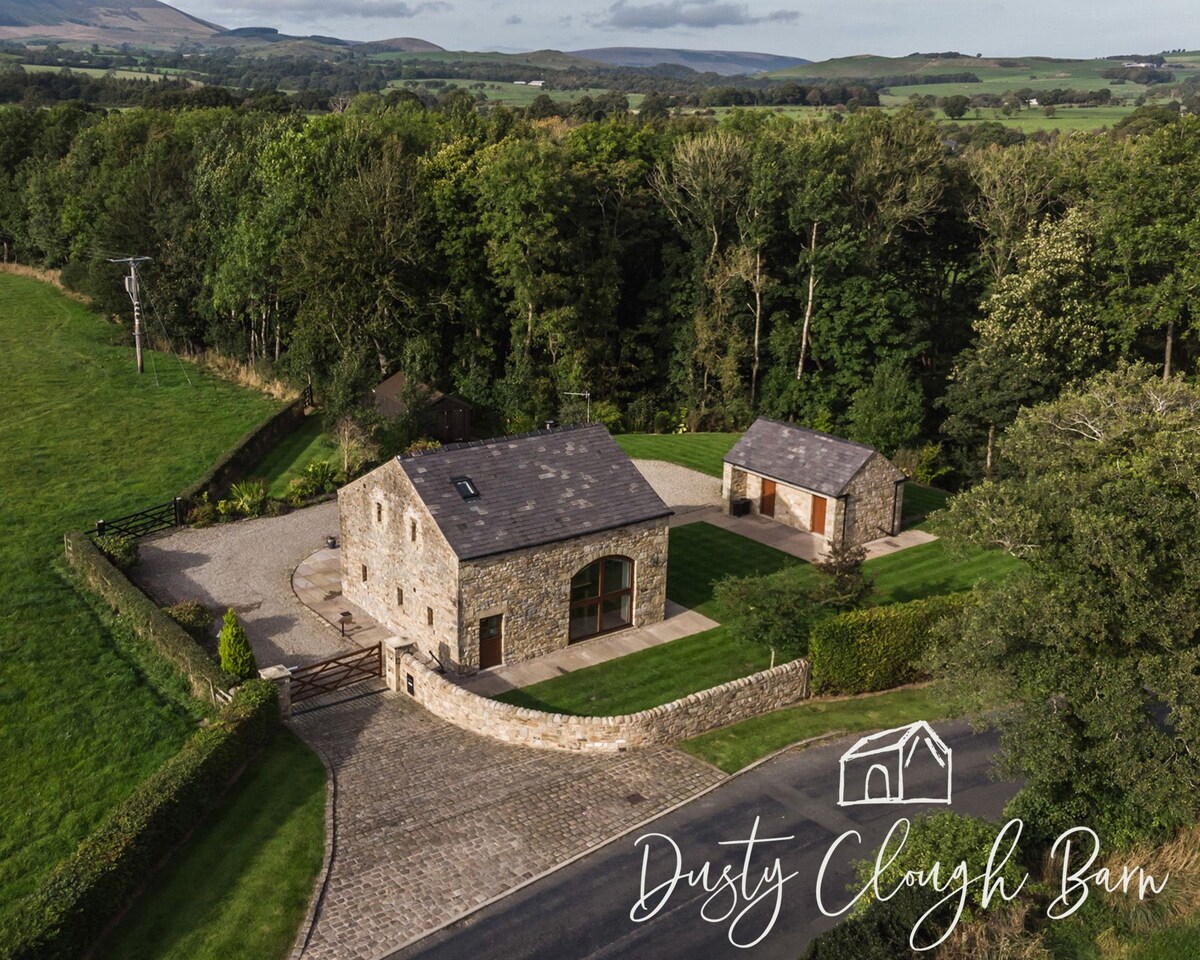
[466,487]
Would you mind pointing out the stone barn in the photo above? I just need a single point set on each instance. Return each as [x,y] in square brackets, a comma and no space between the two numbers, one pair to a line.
[848,493]
[497,551]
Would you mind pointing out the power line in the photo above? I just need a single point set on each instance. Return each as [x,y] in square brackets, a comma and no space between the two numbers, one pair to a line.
[166,336]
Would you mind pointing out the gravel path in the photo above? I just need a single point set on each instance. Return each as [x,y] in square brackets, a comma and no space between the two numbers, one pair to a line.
[248,566]
[681,488]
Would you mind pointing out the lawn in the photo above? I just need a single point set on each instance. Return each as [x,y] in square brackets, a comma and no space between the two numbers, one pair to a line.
[702,554]
[241,886]
[287,461]
[83,438]
[700,451]
[734,747]
[919,502]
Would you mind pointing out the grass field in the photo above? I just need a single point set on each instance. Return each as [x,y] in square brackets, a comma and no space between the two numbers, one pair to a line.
[92,71]
[241,885]
[736,746]
[700,451]
[287,461]
[700,555]
[83,437]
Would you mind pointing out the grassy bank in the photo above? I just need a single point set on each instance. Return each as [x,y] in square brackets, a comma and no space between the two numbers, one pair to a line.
[83,437]
[241,885]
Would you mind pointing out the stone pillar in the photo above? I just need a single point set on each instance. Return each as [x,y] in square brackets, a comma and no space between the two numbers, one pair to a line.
[281,676]
[392,648]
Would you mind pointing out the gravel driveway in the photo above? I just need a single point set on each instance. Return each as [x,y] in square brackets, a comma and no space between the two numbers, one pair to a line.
[248,566]
[681,488]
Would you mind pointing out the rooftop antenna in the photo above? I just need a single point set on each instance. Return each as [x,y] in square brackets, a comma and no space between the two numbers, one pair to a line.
[586,394]
[131,288]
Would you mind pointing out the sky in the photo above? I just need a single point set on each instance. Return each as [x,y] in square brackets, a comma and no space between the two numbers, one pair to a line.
[813,29]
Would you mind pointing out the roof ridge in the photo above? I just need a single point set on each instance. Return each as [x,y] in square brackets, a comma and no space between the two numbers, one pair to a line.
[502,438]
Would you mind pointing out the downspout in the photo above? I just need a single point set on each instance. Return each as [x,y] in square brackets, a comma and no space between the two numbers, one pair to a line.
[845,500]
[895,498]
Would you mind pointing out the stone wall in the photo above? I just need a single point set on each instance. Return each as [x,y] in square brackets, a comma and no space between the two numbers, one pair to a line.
[531,588]
[793,505]
[410,568]
[875,502]
[669,723]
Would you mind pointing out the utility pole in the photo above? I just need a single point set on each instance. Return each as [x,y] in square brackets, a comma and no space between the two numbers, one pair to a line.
[131,288]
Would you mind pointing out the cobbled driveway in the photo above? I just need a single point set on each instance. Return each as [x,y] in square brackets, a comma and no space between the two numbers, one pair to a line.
[430,821]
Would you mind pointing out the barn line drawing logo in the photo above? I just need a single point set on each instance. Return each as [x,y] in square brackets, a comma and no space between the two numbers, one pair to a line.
[874,770]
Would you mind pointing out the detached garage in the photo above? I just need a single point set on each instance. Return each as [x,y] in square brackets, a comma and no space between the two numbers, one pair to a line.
[842,491]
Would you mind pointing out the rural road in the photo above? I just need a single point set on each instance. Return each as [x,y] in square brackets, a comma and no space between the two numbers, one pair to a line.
[582,911]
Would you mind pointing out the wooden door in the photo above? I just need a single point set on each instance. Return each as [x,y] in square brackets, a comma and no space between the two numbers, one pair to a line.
[766,505]
[818,515]
[491,647]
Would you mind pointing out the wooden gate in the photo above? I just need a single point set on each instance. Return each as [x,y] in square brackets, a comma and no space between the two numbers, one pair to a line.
[346,669]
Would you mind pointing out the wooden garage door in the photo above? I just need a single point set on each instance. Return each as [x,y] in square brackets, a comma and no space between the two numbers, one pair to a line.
[818,515]
[766,505]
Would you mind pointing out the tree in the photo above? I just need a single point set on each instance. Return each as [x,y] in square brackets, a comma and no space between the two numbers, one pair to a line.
[237,658]
[1093,645]
[955,107]
[844,583]
[887,412]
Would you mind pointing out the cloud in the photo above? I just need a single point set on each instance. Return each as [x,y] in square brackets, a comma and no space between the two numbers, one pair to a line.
[311,9]
[514,20]
[702,14]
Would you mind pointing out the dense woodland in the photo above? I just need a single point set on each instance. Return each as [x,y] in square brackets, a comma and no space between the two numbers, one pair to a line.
[853,272]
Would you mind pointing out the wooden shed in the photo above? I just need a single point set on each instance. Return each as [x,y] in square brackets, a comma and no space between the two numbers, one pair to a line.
[449,417]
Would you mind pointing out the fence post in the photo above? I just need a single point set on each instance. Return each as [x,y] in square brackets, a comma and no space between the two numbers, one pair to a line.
[282,678]
[178,512]
[99,528]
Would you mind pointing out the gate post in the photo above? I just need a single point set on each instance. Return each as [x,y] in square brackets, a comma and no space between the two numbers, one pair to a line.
[282,678]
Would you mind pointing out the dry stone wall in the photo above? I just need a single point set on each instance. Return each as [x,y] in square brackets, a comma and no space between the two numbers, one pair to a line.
[875,501]
[706,710]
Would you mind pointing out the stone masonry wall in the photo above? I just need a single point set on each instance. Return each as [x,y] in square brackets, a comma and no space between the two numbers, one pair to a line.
[377,514]
[669,723]
[531,588]
[793,505]
[875,502]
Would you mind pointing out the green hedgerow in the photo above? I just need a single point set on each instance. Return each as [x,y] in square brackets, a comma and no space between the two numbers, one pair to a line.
[193,616]
[237,659]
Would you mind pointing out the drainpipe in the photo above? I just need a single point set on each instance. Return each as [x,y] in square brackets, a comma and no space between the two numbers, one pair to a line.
[895,498]
[845,500]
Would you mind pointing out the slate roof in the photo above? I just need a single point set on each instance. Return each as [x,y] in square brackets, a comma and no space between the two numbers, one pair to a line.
[801,457]
[535,488]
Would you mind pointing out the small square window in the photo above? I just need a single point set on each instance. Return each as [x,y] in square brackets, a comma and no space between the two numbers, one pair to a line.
[412,530]
[364,573]
[399,596]
[489,627]
[429,615]
[466,487]
[379,513]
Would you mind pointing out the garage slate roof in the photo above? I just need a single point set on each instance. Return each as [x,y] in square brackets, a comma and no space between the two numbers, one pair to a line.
[800,457]
[534,488]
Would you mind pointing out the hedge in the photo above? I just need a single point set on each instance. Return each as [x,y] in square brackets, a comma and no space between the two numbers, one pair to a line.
[246,453]
[862,651]
[148,621]
[63,919]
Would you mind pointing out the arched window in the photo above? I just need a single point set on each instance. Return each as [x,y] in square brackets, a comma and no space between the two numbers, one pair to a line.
[601,597]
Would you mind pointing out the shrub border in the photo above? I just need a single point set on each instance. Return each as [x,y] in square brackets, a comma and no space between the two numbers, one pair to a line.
[148,620]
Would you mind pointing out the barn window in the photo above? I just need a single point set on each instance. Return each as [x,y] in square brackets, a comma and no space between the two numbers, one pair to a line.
[364,573]
[379,513]
[412,530]
[601,598]
[399,596]
[429,615]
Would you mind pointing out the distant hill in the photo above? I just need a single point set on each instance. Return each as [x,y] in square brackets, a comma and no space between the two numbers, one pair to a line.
[724,62]
[400,45]
[110,23]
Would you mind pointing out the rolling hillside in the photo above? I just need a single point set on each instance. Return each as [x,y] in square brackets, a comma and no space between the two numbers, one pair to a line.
[725,62]
[110,23]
